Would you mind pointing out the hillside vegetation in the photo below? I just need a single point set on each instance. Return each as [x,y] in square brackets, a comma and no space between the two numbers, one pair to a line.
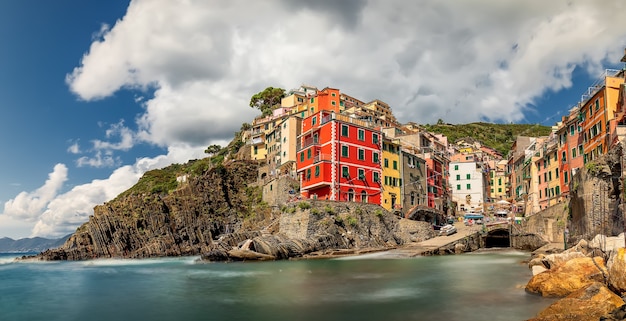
[497,136]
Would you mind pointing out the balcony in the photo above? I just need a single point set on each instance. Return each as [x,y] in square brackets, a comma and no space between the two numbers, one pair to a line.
[322,158]
[307,143]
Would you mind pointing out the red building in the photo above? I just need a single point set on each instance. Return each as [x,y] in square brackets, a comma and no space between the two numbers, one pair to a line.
[338,157]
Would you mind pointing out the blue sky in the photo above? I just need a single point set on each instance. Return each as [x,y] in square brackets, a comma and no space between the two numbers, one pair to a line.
[94,93]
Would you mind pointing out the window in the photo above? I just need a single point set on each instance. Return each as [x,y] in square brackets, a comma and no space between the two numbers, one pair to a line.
[565,177]
[312,110]
[333,94]
[557,190]
[341,103]
[375,158]
[364,196]
[344,151]
[395,164]
[386,163]
[412,198]
[386,180]
[499,189]
[361,174]
[597,104]
[361,154]
[308,153]
[549,176]
[458,187]
[374,138]
[332,102]
[539,179]
[556,173]
[345,172]
[344,130]
[456,167]
[301,157]
[256,150]
[314,121]
[574,152]
[312,99]
[361,134]
[458,177]
[308,173]
[375,177]
[564,157]
[468,186]
[317,171]
[580,149]
[468,176]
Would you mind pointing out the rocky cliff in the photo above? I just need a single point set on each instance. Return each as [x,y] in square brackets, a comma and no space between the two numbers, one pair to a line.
[216,211]
[175,211]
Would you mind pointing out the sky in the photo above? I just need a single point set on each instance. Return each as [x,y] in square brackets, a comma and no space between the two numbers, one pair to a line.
[94,93]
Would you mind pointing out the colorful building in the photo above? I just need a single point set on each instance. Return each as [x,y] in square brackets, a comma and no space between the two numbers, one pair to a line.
[596,111]
[338,157]
[392,176]
[413,191]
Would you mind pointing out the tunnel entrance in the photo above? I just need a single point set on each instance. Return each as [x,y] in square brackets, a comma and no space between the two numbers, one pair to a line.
[498,238]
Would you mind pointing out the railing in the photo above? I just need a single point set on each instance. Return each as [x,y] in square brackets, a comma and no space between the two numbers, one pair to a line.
[322,158]
[307,142]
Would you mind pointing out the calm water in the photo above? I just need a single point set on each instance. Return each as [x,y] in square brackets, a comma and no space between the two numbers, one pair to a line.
[487,286]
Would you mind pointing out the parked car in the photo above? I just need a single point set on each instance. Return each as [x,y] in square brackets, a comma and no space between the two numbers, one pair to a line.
[447,230]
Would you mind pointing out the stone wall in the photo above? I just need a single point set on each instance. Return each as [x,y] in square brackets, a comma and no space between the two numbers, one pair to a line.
[596,198]
[277,191]
[549,223]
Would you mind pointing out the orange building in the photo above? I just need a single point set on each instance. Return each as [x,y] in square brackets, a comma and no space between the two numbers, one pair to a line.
[596,112]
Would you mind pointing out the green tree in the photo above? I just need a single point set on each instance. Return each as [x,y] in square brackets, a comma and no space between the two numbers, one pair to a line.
[212,149]
[267,100]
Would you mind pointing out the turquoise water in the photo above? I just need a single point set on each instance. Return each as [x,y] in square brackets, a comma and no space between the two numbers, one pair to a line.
[487,286]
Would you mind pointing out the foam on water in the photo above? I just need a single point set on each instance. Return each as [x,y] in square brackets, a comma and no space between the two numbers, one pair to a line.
[131,262]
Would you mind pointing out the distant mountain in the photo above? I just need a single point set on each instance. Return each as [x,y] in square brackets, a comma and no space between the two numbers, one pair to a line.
[35,244]
[497,136]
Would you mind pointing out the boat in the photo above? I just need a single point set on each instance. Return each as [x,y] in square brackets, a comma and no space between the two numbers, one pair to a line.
[447,229]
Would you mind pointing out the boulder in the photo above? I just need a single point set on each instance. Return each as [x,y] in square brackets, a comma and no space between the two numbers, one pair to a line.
[537,260]
[459,248]
[616,267]
[588,303]
[538,269]
[607,244]
[571,276]
[552,261]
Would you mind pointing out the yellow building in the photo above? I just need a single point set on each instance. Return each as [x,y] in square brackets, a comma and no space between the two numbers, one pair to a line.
[392,182]
[498,178]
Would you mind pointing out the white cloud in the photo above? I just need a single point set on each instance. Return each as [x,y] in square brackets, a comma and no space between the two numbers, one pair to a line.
[428,60]
[29,205]
[74,149]
[99,160]
[64,213]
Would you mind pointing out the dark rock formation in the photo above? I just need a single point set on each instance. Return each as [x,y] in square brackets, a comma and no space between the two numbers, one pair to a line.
[184,221]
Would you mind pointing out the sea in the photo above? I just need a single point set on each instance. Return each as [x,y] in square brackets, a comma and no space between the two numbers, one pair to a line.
[474,286]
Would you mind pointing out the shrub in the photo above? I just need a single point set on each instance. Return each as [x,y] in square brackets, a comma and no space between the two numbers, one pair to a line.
[304,205]
[358,211]
[592,168]
[315,211]
[328,209]
[379,213]
[352,221]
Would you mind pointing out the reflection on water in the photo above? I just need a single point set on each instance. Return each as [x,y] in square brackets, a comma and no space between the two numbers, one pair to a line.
[478,286]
